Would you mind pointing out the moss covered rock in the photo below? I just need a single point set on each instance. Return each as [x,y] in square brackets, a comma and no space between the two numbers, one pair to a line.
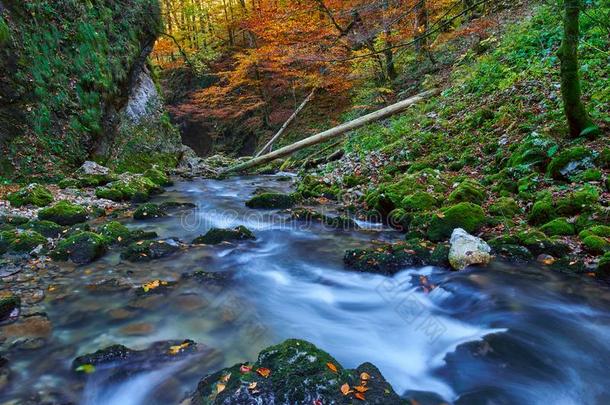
[570,162]
[467,216]
[215,235]
[585,199]
[13,220]
[80,248]
[298,373]
[64,213]
[558,227]
[158,177]
[33,194]
[312,216]
[271,201]
[112,194]
[148,211]
[150,250]
[115,233]
[388,259]
[504,207]
[23,242]
[603,160]
[596,244]
[467,191]
[419,201]
[68,182]
[532,152]
[542,212]
[539,243]
[136,188]
[597,230]
[48,229]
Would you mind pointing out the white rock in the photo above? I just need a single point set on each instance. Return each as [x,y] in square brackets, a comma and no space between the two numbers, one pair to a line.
[90,167]
[467,250]
[143,98]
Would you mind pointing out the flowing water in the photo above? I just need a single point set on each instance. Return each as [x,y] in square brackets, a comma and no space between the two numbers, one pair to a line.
[499,335]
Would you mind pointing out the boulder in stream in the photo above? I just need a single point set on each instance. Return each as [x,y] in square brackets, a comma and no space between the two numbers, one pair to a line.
[145,250]
[216,235]
[269,201]
[295,372]
[467,250]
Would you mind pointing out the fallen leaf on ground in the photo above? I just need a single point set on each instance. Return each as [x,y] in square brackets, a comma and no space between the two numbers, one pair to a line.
[345,389]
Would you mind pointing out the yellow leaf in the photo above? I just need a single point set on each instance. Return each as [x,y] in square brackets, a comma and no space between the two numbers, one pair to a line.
[345,389]
[365,376]
[174,350]
[86,368]
[361,388]
[252,385]
[360,396]
[263,371]
[220,388]
[332,367]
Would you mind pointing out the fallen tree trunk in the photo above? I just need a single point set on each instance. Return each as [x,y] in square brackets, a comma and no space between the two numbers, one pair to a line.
[333,132]
[283,128]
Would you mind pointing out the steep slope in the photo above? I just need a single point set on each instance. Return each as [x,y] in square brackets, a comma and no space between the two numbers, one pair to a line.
[68,70]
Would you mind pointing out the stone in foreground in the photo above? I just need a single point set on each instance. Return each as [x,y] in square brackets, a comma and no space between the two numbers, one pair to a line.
[467,250]
[295,372]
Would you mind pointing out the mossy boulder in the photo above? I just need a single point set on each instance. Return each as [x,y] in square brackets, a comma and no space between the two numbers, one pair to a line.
[269,201]
[311,187]
[33,194]
[596,244]
[148,211]
[115,233]
[419,201]
[68,182]
[13,220]
[570,162]
[558,227]
[467,191]
[80,248]
[8,305]
[21,242]
[112,194]
[504,207]
[136,188]
[589,175]
[298,373]
[584,199]
[215,236]
[603,160]
[465,215]
[539,243]
[542,212]
[597,230]
[64,213]
[158,177]
[48,229]
[387,259]
[508,247]
[440,255]
[146,250]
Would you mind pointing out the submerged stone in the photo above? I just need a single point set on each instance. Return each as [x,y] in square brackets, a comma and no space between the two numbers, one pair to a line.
[338,222]
[9,307]
[150,249]
[216,235]
[149,211]
[294,372]
[81,248]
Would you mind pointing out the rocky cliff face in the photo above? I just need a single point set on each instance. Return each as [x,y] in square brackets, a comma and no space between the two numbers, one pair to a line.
[74,85]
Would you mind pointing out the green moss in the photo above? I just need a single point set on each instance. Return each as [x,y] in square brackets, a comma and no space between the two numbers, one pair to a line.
[419,201]
[33,194]
[46,228]
[148,211]
[158,177]
[114,232]
[589,175]
[582,200]
[64,213]
[68,183]
[467,216]
[271,201]
[215,236]
[558,227]
[26,241]
[598,230]
[504,207]
[603,160]
[542,211]
[81,248]
[351,180]
[440,255]
[13,220]
[112,194]
[467,191]
[596,244]
[149,250]
[570,162]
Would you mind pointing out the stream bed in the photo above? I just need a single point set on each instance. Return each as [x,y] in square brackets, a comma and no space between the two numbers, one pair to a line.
[497,335]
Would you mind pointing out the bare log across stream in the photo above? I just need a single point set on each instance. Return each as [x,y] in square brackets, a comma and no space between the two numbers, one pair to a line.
[334,132]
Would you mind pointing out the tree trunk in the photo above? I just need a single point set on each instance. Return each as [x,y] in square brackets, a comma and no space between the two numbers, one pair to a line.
[333,132]
[576,114]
